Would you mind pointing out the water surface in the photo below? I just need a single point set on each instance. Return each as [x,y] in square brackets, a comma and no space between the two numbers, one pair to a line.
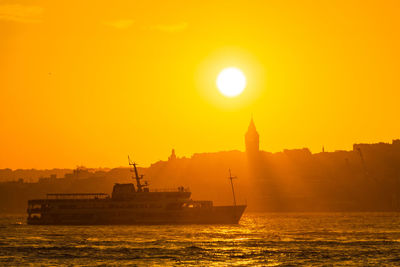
[264,239]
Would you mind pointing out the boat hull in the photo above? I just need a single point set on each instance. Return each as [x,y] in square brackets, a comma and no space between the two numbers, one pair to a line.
[212,215]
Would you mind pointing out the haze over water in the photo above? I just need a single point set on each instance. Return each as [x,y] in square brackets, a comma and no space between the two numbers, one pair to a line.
[267,239]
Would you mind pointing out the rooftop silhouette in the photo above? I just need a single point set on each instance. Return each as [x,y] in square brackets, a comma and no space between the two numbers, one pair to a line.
[365,178]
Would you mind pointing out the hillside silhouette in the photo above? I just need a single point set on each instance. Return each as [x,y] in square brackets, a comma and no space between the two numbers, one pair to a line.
[366,178]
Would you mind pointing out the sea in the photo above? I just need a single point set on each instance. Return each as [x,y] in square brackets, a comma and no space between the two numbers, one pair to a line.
[260,239]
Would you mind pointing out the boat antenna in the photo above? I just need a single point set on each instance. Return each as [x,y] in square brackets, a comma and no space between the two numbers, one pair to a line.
[137,177]
[233,190]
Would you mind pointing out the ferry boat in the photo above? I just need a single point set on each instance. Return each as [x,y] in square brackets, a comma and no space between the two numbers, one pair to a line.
[131,205]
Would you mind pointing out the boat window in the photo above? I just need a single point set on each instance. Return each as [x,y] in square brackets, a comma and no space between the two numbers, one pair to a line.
[174,206]
[67,206]
[36,216]
[36,206]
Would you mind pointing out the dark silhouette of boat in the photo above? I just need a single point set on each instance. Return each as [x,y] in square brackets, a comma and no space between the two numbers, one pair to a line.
[130,205]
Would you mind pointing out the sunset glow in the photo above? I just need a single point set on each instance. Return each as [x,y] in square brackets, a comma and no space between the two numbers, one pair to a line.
[165,125]
[86,84]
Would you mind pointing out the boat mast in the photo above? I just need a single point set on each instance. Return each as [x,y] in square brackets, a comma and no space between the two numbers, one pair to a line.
[233,190]
[137,177]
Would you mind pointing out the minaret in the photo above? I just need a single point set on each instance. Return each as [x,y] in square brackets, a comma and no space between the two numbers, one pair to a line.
[173,155]
[252,139]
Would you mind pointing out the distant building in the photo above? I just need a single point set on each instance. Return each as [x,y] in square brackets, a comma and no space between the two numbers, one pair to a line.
[298,153]
[52,178]
[252,139]
[173,156]
[80,172]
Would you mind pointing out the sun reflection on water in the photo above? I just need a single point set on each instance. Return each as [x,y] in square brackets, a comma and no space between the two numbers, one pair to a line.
[260,239]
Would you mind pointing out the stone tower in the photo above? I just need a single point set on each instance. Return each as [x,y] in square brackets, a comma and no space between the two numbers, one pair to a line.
[252,139]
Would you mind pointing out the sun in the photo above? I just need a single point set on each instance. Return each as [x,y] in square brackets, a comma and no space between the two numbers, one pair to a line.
[231,82]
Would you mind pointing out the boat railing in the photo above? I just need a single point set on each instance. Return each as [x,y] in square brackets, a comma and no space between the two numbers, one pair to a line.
[78,196]
[178,189]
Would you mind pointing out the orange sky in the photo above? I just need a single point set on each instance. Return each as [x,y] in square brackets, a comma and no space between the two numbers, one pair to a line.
[87,83]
